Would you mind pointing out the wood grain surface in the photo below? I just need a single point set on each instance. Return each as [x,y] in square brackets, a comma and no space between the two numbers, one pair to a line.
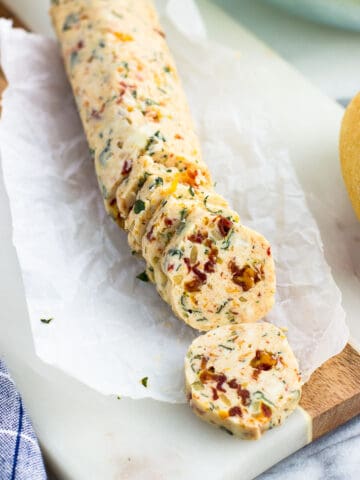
[5,13]
[332,395]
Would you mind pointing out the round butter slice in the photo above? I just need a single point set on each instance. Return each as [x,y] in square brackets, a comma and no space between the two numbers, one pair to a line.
[153,193]
[243,378]
[219,271]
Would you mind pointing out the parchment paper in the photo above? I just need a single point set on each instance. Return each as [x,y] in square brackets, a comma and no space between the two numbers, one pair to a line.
[108,329]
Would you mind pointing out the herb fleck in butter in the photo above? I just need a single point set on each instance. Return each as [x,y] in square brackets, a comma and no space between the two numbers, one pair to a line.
[139,206]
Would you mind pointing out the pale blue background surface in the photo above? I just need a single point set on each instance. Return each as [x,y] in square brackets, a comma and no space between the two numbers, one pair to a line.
[340,13]
[327,56]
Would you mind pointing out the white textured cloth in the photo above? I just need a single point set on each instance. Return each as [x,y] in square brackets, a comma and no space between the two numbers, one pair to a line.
[20,455]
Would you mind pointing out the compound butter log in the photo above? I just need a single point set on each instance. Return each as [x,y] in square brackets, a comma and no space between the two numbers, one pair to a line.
[145,149]
[127,90]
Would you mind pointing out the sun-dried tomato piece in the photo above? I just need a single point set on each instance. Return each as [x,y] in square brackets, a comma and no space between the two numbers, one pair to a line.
[204,361]
[244,395]
[126,85]
[209,267]
[187,263]
[127,167]
[242,392]
[193,285]
[200,275]
[198,237]
[209,375]
[221,379]
[246,277]
[149,235]
[97,113]
[213,254]
[263,361]
[206,376]
[233,411]
[189,176]
[233,383]
[215,395]
[168,222]
[209,243]
[266,410]
[224,225]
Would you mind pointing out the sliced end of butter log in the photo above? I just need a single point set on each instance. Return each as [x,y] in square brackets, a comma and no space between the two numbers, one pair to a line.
[128,189]
[153,192]
[158,183]
[168,220]
[219,271]
[243,378]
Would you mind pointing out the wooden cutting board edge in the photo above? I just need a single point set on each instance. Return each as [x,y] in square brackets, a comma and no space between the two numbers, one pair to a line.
[332,395]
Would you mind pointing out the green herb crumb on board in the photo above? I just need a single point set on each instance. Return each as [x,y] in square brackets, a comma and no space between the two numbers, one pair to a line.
[143,277]
[46,320]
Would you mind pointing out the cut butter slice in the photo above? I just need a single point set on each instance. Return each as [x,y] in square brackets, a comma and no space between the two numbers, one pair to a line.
[219,271]
[139,172]
[243,378]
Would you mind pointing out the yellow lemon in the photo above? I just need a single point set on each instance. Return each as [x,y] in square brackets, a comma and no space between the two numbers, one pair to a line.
[350,152]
